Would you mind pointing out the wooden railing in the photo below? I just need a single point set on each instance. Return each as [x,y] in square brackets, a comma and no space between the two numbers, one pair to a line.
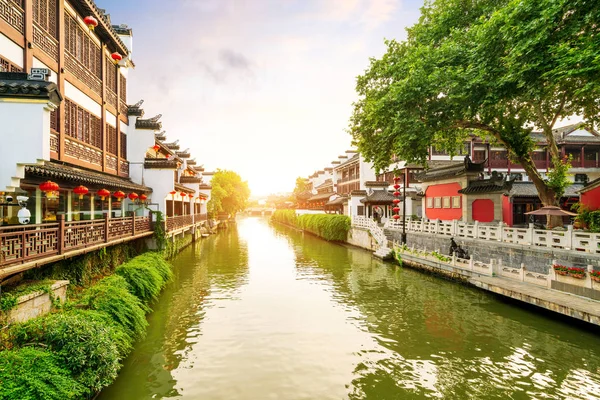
[184,221]
[566,239]
[23,243]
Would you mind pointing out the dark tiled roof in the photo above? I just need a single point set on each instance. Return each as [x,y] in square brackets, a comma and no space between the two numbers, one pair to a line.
[162,135]
[104,28]
[591,185]
[304,195]
[17,85]
[199,168]
[455,169]
[379,196]
[136,109]
[337,202]
[149,123]
[160,163]
[173,145]
[344,161]
[191,162]
[183,154]
[62,172]
[527,189]
[205,186]
[358,193]
[328,182]
[184,189]
[122,29]
[321,196]
[495,184]
[190,179]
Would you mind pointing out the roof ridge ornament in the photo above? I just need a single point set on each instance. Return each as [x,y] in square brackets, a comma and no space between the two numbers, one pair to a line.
[155,118]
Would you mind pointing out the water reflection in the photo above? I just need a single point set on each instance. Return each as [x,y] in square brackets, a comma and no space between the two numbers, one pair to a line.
[266,312]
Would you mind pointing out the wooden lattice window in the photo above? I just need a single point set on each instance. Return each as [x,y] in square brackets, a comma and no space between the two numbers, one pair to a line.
[111,139]
[123,146]
[82,47]
[54,120]
[123,88]
[111,75]
[7,66]
[44,14]
[82,125]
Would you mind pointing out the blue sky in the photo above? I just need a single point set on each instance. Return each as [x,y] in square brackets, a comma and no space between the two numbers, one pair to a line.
[264,88]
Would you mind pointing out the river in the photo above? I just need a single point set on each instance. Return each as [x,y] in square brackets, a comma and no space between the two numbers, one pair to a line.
[260,311]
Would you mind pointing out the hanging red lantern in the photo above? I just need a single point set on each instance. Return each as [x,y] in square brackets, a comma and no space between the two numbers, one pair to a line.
[396,186]
[156,148]
[132,196]
[397,178]
[396,201]
[91,22]
[396,193]
[116,57]
[396,217]
[191,196]
[143,197]
[396,209]
[182,194]
[80,191]
[49,186]
[103,193]
[119,195]
[172,193]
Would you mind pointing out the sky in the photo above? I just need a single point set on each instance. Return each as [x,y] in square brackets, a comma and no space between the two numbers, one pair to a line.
[261,87]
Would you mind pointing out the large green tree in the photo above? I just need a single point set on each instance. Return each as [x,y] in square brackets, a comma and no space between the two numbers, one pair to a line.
[229,193]
[495,68]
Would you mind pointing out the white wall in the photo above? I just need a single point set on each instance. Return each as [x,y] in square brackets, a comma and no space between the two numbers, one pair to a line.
[111,119]
[25,131]
[38,64]
[367,173]
[82,99]
[12,51]
[161,182]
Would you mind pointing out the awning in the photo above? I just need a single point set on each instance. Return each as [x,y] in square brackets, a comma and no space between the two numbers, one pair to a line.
[181,188]
[80,176]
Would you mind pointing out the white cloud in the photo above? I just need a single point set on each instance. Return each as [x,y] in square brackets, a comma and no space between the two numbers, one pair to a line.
[378,12]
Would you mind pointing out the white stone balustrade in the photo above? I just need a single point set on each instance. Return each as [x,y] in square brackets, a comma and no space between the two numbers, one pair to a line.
[567,240]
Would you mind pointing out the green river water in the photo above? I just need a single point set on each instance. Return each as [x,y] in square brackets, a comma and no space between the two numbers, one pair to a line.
[260,311]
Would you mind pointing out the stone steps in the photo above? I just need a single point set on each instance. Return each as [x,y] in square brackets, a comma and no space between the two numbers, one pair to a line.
[384,253]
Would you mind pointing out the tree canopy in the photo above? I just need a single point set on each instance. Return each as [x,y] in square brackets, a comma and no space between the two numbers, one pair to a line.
[494,68]
[229,193]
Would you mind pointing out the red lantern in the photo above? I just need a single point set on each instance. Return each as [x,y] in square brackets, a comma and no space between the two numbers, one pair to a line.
[116,57]
[172,193]
[396,186]
[91,22]
[191,196]
[396,201]
[132,196]
[156,148]
[143,197]
[49,186]
[396,193]
[397,178]
[119,195]
[396,209]
[182,194]
[103,193]
[81,191]
[396,217]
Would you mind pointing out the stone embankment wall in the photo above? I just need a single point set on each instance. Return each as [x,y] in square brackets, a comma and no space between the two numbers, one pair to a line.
[360,237]
[535,258]
[38,303]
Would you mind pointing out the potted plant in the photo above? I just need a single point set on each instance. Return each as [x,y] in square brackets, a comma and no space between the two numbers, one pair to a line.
[595,275]
[576,272]
[561,269]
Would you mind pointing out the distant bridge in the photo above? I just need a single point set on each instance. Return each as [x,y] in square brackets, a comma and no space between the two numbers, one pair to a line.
[260,211]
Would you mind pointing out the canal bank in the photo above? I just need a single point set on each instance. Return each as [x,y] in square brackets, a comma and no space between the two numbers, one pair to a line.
[262,311]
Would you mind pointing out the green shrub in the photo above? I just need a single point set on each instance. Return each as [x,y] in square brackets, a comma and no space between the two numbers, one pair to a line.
[87,343]
[328,226]
[147,275]
[285,217]
[30,373]
[112,296]
[10,296]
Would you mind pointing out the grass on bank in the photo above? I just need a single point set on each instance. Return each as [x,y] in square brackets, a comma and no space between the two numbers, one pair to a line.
[330,227]
[77,350]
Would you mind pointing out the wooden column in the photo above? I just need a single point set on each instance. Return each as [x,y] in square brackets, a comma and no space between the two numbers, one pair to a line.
[583,156]
[118,124]
[60,78]
[103,110]
[28,36]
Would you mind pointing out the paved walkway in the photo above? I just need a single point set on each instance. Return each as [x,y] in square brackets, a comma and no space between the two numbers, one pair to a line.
[574,306]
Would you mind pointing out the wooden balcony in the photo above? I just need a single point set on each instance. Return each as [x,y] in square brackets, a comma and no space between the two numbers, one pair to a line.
[184,222]
[23,247]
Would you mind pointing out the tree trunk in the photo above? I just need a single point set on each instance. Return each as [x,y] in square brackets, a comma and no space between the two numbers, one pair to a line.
[545,193]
